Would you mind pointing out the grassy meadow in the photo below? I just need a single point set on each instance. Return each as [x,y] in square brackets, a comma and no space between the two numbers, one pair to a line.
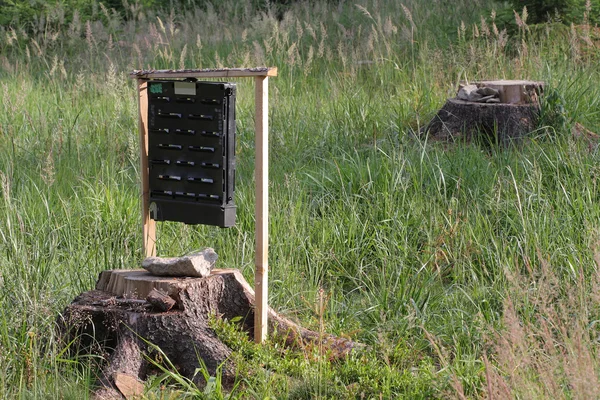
[470,270]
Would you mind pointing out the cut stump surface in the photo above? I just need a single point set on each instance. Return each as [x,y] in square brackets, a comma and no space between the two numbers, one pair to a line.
[116,320]
[515,91]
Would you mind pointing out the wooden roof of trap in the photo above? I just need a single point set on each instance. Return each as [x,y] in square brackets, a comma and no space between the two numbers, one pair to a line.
[204,73]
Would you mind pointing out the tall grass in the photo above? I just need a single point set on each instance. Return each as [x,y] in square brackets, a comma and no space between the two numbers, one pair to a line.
[419,246]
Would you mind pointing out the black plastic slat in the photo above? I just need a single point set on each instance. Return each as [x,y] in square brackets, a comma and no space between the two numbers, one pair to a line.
[169,146]
[160,162]
[185,163]
[169,115]
[205,149]
[185,131]
[206,117]
[201,180]
[210,165]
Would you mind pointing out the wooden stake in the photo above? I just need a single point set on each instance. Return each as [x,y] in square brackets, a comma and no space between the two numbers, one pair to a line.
[148,224]
[261,173]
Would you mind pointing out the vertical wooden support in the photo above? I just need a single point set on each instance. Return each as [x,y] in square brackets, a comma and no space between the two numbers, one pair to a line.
[148,224]
[261,173]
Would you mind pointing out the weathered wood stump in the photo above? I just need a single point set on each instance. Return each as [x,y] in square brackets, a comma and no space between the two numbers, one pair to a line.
[512,115]
[117,321]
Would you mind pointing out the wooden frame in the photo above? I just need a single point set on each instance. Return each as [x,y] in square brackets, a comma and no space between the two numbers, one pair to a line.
[261,81]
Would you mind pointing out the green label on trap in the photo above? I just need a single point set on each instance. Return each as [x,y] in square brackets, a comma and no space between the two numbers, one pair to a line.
[156,88]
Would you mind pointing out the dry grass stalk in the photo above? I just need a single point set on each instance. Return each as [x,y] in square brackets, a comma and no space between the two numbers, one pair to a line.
[5,184]
[485,30]
[409,17]
[321,48]
[308,61]
[37,47]
[574,43]
[547,348]
[89,36]
[364,10]
[444,360]
[182,57]
[48,173]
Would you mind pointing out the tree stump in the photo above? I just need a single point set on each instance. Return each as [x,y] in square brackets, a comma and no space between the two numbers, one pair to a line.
[116,321]
[509,119]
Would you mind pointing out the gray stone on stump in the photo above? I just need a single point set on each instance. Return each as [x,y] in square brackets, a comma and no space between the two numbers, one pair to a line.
[195,265]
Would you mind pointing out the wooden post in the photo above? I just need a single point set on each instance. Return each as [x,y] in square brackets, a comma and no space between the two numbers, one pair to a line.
[148,224]
[261,174]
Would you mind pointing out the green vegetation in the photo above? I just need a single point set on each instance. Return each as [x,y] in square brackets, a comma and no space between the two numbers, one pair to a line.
[566,11]
[32,15]
[467,270]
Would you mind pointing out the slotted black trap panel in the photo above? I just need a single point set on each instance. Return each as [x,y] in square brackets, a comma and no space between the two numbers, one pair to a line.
[191,152]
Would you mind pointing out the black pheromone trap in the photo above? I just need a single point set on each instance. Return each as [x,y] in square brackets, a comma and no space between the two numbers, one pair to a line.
[191,152]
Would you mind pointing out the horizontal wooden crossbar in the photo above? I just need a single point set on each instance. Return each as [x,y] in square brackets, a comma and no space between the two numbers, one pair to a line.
[204,73]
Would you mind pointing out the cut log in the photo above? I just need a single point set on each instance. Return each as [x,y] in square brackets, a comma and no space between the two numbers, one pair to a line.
[503,122]
[102,322]
[160,301]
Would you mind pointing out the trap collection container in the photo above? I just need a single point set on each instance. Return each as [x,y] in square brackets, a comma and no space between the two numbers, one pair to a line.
[191,151]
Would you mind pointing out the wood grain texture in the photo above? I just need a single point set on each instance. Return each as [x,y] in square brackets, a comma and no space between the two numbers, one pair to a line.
[204,73]
[148,224]
[137,283]
[261,173]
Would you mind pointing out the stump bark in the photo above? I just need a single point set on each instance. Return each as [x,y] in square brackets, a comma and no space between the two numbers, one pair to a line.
[505,122]
[117,322]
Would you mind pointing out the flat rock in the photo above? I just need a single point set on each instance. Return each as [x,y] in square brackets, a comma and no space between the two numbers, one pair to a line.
[468,93]
[488,91]
[198,264]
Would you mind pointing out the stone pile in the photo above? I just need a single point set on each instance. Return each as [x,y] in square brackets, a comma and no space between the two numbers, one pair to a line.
[478,94]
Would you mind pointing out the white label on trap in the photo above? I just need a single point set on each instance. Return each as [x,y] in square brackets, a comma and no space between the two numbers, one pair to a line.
[186,88]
